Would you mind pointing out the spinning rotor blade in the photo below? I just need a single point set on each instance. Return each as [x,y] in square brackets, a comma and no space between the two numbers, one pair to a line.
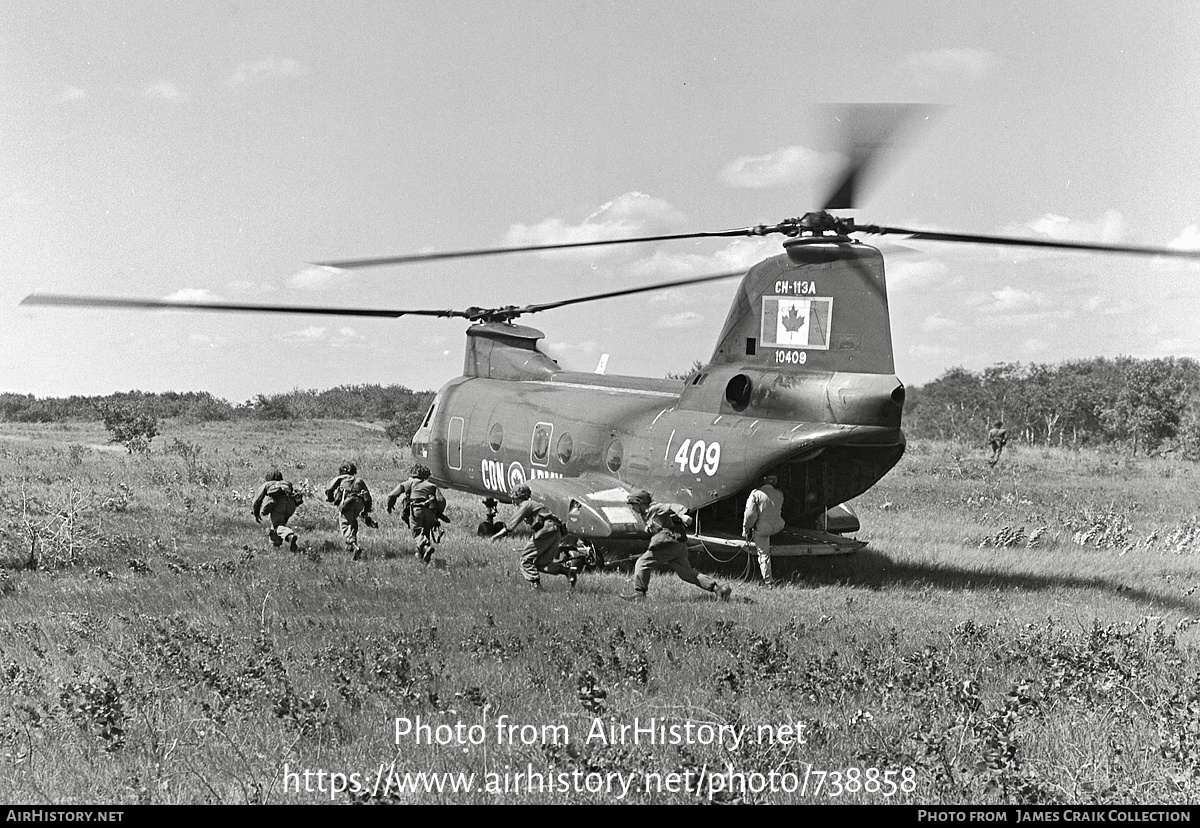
[1013,241]
[61,300]
[412,258]
[630,291]
[868,131]
[503,314]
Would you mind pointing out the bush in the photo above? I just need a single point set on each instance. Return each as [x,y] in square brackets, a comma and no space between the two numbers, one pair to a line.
[130,425]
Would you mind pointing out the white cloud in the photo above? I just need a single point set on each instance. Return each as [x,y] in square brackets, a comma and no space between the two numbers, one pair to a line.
[915,275]
[320,278]
[1188,239]
[1014,300]
[1035,346]
[738,255]
[629,215]
[686,319]
[1109,229]
[319,334]
[968,63]
[72,93]
[163,90]
[194,295]
[268,68]
[785,166]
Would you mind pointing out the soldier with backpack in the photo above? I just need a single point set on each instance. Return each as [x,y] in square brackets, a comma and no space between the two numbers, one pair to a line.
[667,524]
[349,493]
[422,507]
[277,500]
[540,553]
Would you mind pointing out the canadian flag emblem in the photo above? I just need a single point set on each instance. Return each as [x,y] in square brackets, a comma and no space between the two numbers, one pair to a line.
[789,322]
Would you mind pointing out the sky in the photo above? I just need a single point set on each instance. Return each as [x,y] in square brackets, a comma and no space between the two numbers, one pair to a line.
[213,150]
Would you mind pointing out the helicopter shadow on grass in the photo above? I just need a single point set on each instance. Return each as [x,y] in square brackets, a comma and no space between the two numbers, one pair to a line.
[873,569]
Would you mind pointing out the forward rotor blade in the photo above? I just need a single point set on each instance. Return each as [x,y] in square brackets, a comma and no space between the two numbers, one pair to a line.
[62,300]
[504,313]
[1013,241]
[612,294]
[413,258]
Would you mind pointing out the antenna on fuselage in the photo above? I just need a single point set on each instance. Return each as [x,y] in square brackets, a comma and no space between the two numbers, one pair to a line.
[602,364]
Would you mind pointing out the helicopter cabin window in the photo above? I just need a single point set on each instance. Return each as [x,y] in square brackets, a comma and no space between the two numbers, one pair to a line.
[751,346]
[429,416]
[566,448]
[496,437]
[539,450]
[454,442]
[699,379]
[615,455]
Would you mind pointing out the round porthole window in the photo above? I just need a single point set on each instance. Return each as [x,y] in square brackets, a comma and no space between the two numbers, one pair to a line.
[566,448]
[496,437]
[615,455]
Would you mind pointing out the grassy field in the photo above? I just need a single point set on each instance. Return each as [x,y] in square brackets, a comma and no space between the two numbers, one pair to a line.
[1023,634]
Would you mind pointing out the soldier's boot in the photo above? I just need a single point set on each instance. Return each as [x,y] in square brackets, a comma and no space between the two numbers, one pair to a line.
[722,592]
[293,544]
[274,538]
[535,586]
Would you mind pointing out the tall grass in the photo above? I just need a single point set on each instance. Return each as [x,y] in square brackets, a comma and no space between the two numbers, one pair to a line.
[1023,634]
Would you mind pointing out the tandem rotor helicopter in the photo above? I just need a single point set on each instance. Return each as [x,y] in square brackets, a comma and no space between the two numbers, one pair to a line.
[801,382]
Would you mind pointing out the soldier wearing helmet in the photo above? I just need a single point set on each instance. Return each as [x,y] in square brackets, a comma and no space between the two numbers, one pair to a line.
[277,500]
[422,508]
[540,552]
[667,524]
[349,493]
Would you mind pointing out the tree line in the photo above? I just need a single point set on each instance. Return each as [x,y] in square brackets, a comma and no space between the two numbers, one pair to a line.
[401,408]
[1148,406]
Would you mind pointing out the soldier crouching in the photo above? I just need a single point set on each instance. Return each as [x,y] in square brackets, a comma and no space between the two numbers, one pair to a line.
[540,553]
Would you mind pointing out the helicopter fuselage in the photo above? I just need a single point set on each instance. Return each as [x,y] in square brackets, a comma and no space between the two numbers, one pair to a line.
[800,383]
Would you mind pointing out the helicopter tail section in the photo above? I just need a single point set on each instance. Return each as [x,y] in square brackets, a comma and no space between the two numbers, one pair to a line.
[820,307]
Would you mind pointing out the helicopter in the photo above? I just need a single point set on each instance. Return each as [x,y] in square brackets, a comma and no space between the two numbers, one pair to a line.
[801,383]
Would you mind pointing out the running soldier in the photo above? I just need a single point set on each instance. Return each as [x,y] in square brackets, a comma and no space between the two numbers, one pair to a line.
[349,493]
[277,500]
[762,519]
[667,524]
[422,508]
[540,553]
[997,440]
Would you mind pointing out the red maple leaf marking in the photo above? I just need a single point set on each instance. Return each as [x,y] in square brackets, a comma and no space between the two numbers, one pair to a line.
[791,320]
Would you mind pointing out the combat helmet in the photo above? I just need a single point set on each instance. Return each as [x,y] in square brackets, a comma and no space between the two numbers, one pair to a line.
[520,492]
[419,471]
[348,468]
[640,496]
